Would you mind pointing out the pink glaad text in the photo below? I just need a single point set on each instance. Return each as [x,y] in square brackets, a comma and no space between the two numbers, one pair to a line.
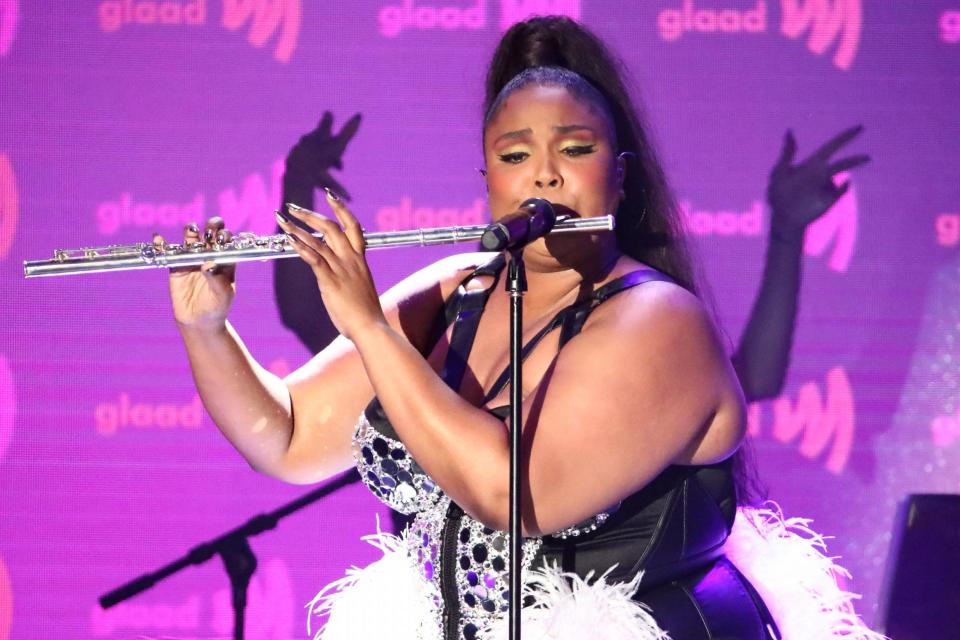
[8,406]
[825,23]
[947,227]
[8,26]
[9,205]
[821,421]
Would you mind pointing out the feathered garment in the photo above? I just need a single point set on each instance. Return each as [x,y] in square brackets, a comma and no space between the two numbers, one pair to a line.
[783,558]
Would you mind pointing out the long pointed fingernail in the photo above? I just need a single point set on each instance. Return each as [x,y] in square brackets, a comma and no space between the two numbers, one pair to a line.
[295,207]
[331,194]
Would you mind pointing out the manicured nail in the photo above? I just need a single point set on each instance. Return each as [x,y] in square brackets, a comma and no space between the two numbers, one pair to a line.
[193,228]
[221,238]
[295,207]
[208,235]
[331,194]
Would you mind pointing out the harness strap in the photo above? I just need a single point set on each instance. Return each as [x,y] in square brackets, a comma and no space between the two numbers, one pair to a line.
[571,319]
[463,311]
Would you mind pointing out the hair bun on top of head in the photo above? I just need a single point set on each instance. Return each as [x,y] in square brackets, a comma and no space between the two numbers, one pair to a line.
[547,41]
[537,42]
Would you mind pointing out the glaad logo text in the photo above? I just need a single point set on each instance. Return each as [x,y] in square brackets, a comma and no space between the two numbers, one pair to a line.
[265,18]
[8,24]
[825,23]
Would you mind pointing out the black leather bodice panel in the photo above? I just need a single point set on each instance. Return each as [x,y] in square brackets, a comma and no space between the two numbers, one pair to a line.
[675,524]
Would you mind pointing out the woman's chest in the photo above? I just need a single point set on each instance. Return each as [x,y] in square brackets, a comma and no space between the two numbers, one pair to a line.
[477,365]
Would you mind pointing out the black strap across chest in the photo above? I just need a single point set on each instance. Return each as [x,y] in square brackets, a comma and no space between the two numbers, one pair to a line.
[465,308]
[463,311]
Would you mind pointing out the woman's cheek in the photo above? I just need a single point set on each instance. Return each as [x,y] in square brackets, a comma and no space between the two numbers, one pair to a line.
[499,196]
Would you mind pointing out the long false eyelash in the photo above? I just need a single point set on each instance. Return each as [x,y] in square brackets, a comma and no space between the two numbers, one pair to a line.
[513,158]
[573,150]
[580,149]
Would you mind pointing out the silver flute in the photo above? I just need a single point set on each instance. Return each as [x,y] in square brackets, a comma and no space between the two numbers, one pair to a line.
[247,247]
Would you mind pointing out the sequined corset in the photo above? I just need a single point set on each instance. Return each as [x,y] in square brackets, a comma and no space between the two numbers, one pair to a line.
[465,561]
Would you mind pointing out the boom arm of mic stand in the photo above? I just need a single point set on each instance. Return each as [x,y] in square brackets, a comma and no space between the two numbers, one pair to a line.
[232,547]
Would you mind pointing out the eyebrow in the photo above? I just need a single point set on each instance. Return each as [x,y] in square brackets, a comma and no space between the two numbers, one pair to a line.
[520,133]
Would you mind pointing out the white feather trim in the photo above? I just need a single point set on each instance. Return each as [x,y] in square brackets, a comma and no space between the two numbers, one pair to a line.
[786,562]
[389,599]
[783,558]
[385,599]
[567,607]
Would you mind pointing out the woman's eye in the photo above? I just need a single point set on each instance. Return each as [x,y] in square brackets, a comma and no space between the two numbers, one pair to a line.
[579,150]
[514,157]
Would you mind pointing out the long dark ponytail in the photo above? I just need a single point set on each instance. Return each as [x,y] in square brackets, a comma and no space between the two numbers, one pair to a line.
[649,228]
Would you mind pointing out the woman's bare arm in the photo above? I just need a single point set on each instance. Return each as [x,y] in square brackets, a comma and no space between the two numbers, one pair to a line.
[299,429]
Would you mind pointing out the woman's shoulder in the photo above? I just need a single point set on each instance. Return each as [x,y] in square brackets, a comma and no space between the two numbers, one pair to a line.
[657,311]
[661,337]
[655,297]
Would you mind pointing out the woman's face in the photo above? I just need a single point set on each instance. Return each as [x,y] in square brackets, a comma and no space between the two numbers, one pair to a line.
[546,143]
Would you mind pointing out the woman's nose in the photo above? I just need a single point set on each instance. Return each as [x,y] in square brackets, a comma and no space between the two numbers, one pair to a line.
[548,177]
[552,183]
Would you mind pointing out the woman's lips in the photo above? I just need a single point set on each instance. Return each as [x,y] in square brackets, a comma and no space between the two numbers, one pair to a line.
[564,211]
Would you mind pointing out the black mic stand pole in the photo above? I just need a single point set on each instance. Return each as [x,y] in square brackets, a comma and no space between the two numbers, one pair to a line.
[234,549]
[516,286]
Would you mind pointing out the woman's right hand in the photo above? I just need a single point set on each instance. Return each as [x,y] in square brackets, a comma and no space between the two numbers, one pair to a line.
[202,295]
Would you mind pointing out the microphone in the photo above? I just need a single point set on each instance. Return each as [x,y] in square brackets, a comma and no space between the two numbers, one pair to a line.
[534,219]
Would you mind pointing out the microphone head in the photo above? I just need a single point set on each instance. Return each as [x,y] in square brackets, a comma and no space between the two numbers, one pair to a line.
[541,207]
[494,238]
[534,219]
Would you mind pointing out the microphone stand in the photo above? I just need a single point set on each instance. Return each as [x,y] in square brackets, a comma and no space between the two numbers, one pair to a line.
[535,218]
[234,549]
[516,286]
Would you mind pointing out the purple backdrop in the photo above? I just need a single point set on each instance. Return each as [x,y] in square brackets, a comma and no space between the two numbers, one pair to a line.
[123,117]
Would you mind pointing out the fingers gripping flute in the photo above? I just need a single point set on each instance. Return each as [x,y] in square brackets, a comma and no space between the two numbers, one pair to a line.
[247,247]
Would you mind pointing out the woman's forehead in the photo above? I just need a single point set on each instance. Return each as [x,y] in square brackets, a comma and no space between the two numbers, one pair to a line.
[542,107]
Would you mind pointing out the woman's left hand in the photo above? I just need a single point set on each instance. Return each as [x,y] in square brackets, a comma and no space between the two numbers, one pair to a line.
[338,262]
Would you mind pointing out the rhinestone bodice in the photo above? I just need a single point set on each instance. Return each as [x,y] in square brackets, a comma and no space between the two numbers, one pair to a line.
[481,555]
[392,474]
